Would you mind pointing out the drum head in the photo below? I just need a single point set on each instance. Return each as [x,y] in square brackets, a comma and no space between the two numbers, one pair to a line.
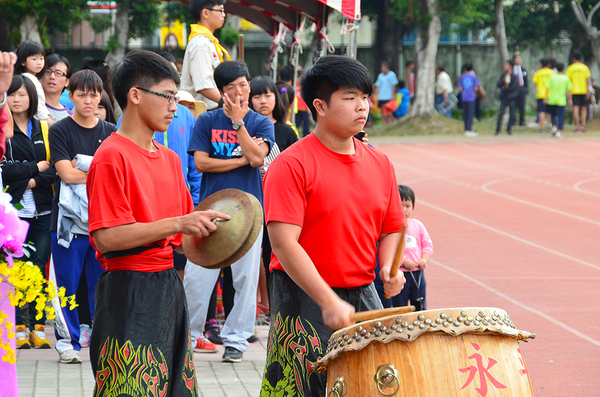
[230,236]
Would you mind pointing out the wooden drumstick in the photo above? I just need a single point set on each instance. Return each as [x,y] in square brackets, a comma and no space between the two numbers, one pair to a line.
[364,316]
[398,257]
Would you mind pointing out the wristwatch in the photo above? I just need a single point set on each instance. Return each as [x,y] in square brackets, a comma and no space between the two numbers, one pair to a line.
[3,101]
[237,124]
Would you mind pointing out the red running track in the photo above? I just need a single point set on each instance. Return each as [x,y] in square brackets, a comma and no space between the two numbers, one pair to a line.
[516,225]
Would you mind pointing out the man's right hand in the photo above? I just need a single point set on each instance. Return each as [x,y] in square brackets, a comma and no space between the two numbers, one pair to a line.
[199,223]
[337,315]
[7,61]
[43,166]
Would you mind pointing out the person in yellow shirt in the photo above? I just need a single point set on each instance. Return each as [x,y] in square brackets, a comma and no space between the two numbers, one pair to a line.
[581,78]
[540,79]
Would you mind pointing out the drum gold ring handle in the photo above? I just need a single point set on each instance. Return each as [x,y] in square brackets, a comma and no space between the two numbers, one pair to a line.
[339,388]
[386,377]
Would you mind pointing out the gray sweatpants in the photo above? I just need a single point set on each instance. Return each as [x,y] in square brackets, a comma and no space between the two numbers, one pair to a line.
[199,283]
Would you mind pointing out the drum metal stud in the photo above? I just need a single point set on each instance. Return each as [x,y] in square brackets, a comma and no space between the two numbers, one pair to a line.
[339,388]
[421,317]
[378,324]
[410,327]
[387,377]
[463,313]
[443,316]
[404,324]
[428,321]
[398,320]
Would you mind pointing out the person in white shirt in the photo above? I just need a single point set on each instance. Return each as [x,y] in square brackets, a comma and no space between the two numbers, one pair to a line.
[204,53]
[443,88]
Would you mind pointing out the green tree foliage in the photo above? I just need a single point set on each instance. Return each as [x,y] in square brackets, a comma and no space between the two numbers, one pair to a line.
[144,17]
[53,15]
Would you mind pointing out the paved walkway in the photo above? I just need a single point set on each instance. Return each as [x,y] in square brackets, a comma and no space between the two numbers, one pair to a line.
[41,375]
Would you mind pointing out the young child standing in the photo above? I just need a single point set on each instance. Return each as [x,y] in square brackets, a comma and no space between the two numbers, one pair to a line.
[417,254]
[30,63]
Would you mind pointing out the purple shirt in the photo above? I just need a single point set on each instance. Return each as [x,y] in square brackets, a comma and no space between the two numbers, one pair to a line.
[468,81]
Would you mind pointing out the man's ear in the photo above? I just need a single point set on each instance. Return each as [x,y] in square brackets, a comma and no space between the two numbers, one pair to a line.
[133,96]
[319,105]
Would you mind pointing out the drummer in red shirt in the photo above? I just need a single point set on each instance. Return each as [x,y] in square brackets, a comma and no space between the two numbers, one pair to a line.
[329,199]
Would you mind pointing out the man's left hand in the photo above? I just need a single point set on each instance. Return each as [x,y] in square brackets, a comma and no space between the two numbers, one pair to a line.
[392,285]
[235,109]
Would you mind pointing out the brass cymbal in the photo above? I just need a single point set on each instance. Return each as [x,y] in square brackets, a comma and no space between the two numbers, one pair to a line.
[230,235]
[256,228]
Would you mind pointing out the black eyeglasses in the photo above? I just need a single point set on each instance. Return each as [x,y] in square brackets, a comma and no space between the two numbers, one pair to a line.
[221,10]
[57,73]
[170,98]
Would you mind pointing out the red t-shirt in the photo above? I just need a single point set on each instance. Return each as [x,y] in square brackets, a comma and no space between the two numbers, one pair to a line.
[342,202]
[127,184]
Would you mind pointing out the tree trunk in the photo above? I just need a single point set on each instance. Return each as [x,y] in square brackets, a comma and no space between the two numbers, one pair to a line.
[500,32]
[389,37]
[591,31]
[5,44]
[426,46]
[121,34]
[29,28]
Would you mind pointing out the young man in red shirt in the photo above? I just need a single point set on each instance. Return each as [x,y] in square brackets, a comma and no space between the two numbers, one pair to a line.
[329,199]
[139,206]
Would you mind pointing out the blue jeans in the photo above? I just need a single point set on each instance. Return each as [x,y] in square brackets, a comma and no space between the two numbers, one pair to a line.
[468,114]
[441,107]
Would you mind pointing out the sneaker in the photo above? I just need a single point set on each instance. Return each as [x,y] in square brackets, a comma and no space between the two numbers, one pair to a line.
[21,336]
[262,309]
[558,135]
[38,339]
[212,333]
[232,355]
[554,129]
[85,332]
[70,356]
[471,134]
[252,339]
[203,345]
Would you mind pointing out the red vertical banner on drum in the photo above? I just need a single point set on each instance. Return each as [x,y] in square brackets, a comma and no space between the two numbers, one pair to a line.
[524,370]
[484,373]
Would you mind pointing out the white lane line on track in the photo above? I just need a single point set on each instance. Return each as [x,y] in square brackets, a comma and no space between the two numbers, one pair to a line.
[551,149]
[485,186]
[576,186]
[493,169]
[511,236]
[528,160]
[520,304]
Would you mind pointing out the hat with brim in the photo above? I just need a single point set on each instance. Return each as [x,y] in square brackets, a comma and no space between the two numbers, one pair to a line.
[200,106]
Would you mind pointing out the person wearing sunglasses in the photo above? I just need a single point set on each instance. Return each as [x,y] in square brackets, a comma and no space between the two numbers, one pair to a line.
[203,52]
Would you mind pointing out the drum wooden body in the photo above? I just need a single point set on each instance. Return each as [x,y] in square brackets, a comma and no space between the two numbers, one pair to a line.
[434,353]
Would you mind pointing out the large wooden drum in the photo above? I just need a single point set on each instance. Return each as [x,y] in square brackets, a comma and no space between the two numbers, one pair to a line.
[433,353]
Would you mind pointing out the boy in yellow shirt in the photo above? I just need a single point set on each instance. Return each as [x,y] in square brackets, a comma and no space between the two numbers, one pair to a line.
[581,78]
[540,79]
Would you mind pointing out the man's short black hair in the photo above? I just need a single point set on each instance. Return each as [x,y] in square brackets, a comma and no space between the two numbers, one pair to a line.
[560,67]
[87,81]
[517,55]
[140,68]
[196,6]
[577,55]
[168,56]
[468,66]
[285,73]
[544,62]
[331,73]
[53,59]
[410,62]
[229,71]
[440,68]
[401,84]
[511,62]
[407,193]
[25,50]
[17,82]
